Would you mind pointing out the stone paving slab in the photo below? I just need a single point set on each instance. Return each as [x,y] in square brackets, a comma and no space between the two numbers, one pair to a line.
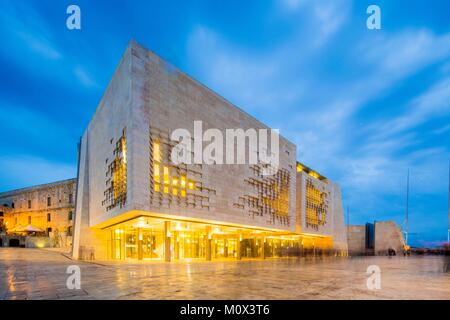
[41,274]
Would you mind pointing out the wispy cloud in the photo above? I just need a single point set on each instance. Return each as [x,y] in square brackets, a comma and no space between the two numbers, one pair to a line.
[22,26]
[370,158]
[85,78]
[435,102]
[23,170]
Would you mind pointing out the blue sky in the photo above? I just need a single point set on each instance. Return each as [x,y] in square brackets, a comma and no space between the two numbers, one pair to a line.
[362,105]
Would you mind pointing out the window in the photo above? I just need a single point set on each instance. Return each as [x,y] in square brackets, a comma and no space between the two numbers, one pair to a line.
[70,198]
[49,230]
[156,176]
[69,231]
[316,206]
[49,201]
[15,220]
[1,213]
[166,175]
[49,217]
[156,152]
[29,204]
[29,219]
[70,216]
[12,204]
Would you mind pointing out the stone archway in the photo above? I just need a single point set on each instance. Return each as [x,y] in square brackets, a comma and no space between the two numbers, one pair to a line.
[14,243]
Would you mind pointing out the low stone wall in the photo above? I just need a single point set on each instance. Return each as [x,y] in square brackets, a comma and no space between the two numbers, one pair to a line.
[26,242]
[12,241]
[39,242]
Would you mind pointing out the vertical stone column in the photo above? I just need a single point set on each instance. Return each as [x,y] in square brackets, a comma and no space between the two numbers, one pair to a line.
[263,248]
[176,245]
[302,254]
[314,248]
[238,247]
[225,248]
[167,236]
[139,243]
[208,243]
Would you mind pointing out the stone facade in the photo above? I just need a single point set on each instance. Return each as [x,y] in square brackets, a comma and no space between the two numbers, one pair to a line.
[125,172]
[356,240]
[387,235]
[329,222]
[49,207]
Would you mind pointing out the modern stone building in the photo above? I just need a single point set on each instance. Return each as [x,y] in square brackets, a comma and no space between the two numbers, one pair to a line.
[375,238]
[48,209]
[319,208]
[133,202]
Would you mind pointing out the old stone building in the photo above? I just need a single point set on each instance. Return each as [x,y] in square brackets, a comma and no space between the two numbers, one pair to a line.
[133,202]
[45,210]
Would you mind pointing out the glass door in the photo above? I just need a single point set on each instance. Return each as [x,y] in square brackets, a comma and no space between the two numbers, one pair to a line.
[131,244]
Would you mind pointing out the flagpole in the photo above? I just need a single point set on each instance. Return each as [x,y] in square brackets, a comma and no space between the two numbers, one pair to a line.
[407,208]
[448,208]
[348,216]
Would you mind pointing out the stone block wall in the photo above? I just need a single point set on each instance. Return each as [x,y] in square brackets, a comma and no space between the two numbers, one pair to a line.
[388,235]
[356,236]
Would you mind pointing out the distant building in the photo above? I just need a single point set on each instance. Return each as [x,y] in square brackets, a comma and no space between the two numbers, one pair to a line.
[45,210]
[375,238]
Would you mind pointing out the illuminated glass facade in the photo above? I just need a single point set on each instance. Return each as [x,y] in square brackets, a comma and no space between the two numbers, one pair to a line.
[150,238]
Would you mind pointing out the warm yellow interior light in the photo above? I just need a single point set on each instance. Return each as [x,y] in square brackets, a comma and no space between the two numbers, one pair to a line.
[156,151]
[156,172]
[314,174]
[166,175]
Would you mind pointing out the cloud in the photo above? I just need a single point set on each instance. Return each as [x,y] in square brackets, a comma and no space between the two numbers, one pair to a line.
[323,18]
[321,112]
[435,102]
[85,78]
[19,118]
[23,27]
[227,67]
[442,130]
[39,45]
[404,52]
[23,170]
[35,45]
[293,5]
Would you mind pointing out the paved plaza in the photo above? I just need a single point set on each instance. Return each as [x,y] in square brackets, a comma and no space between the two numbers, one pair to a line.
[41,274]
